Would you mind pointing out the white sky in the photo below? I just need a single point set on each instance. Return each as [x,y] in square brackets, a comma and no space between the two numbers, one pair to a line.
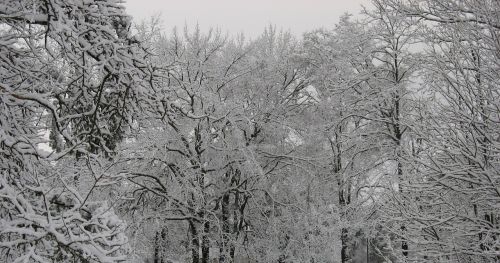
[247,16]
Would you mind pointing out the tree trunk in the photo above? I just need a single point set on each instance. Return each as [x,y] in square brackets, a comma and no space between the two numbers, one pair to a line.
[343,196]
[195,244]
[205,246]
[225,227]
[160,242]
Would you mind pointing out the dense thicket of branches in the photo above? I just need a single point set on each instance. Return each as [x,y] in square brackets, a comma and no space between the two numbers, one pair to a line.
[68,69]
[374,141]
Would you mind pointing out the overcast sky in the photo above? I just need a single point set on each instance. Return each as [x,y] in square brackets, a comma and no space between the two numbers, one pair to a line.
[247,16]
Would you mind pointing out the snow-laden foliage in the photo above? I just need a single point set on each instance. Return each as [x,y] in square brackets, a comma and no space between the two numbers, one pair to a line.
[44,218]
[70,71]
[73,61]
[453,191]
[373,141]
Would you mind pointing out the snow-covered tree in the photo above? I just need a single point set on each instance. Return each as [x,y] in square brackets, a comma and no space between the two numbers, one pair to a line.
[69,70]
[455,216]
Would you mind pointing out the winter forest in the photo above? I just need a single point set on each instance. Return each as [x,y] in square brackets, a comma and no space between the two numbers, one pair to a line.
[374,140]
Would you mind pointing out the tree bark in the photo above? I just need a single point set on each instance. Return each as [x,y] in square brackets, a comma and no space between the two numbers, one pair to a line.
[205,246]
[195,244]
[225,227]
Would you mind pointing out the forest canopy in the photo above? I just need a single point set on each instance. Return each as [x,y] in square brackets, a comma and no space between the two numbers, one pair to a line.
[375,140]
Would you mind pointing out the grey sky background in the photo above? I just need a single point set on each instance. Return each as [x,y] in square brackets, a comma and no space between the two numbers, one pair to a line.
[247,16]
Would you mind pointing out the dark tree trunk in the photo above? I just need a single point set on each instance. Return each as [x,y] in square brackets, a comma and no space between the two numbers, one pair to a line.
[225,227]
[343,193]
[160,244]
[195,244]
[344,251]
[205,246]
[156,258]
[237,222]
